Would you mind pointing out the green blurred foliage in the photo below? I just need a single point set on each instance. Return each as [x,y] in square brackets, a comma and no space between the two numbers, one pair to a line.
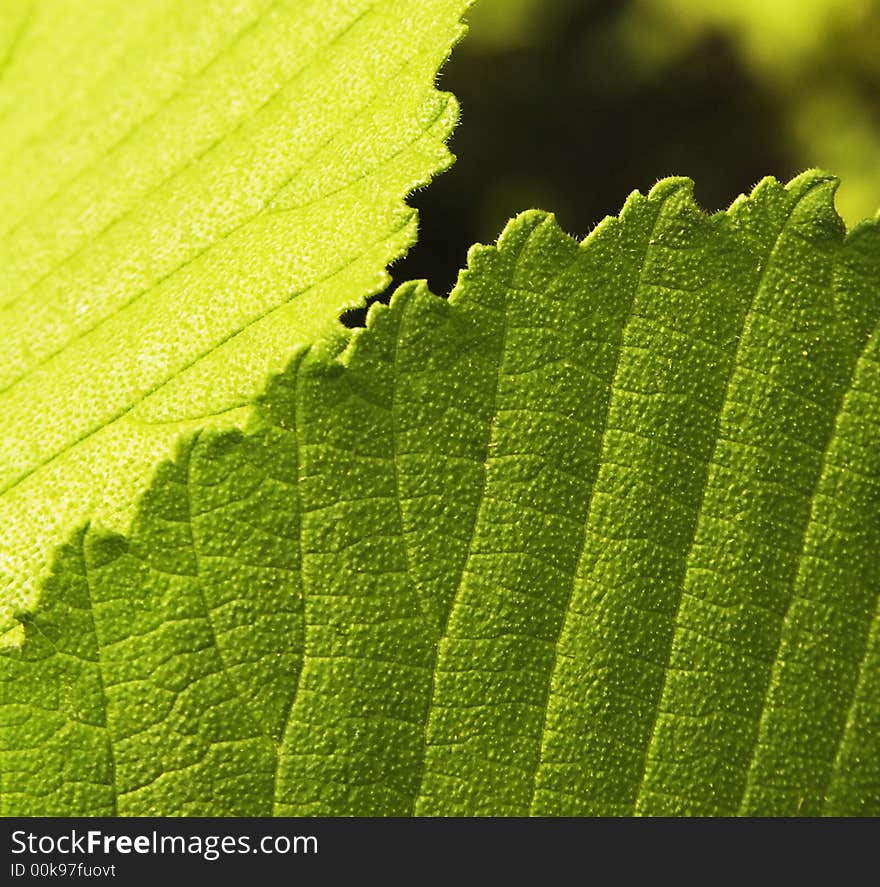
[820,58]
[569,105]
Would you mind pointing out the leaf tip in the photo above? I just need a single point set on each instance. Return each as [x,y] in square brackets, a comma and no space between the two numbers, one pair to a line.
[671,186]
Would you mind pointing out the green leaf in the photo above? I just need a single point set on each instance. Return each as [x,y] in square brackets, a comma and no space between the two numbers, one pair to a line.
[597,535]
[188,193]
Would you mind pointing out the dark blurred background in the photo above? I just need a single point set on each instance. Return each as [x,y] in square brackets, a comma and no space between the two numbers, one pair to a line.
[568,105]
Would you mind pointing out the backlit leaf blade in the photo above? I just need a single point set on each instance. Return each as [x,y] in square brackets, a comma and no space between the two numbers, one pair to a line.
[188,193]
[598,535]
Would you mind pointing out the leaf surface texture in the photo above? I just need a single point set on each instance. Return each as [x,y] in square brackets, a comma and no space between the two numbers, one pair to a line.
[597,535]
[188,193]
